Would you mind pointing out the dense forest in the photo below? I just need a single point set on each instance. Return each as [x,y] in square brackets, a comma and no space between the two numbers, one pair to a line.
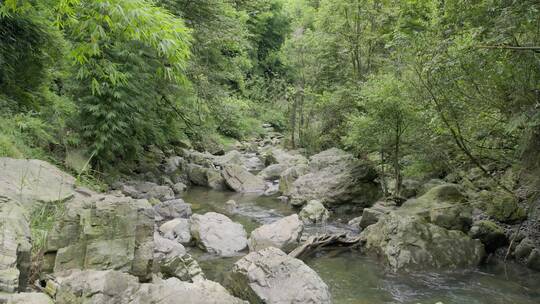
[425,87]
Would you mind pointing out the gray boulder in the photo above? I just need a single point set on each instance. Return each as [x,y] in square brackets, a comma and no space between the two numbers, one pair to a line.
[172,209]
[105,287]
[272,277]
[490,234]
[171,259]
[241,180]
[16,249]
[179,188]
[288,177]
[283,234]
[231,158]
[205,177]
[406,241]
[314,212]
[372,215]
[335,178]
[217,234]
[273,155]
[32,181]
[103,232]
[177,229]
[272,172]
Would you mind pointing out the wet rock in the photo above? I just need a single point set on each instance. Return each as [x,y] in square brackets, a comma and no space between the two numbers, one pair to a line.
[336,178]
[26,298]
[15,250]
[270,276]
[272,188]
[314,212]
[288,177]
[206,177]
[31,181]
[172,209]
[241,180]
[147,190]
[177,229]
[490,234]
[283,234]
[171,260]
[231,204]
[405,241]
[272,172]
[372,215]
[103,232]
[217,234]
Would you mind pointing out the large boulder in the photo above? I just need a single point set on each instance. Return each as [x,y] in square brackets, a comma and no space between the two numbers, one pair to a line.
[501,206]
[335,177]
[171,259]
[270,276]
[272,172]
[177,230]
[444,205]
[32,181]
[231,158]
[172,209]
[217,234]
[314,212]
[411,242]
[15,250]
[283,234]
[241,180]
[372,215]
[104,287]
[103,232]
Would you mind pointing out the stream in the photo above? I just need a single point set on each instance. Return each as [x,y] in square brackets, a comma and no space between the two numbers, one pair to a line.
[354,278]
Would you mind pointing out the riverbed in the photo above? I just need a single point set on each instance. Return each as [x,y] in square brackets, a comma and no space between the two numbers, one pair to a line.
[357,279]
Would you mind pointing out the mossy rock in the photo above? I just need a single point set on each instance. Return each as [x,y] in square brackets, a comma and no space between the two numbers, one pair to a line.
[502,207]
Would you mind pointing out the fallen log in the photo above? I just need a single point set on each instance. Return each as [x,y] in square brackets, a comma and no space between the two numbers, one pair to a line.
[317,242]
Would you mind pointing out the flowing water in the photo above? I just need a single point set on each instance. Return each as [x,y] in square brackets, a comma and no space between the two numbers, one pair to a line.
[357,279]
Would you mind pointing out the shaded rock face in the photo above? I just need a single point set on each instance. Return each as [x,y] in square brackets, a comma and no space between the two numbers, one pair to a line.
[217,234]
[104,287]
[501,206]
[34,181]
[270,276]
[147,190]
[172,209]
[372,215]
[335,178]
[314,213]
[283,234]
[410,242]
[490,234]
[241,180]
[103,232]
[16,249]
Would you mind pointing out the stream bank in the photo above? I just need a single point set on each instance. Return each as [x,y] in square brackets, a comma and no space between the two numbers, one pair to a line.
[179,229]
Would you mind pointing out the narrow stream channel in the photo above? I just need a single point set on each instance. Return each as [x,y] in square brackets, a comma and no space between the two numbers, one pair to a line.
[357,279]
